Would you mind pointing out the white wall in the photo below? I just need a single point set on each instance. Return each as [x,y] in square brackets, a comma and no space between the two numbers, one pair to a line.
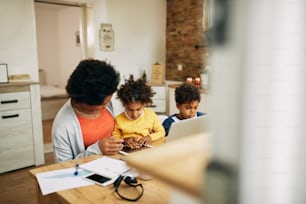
[139,37]
[18,37]
[58,53]
[70,54]
[47,43]
[140,30]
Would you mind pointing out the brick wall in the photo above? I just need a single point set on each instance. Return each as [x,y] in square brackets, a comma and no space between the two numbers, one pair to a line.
[183,33]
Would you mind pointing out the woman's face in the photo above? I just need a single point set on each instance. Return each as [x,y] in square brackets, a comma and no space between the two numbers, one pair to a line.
[134,110]
[93,110]
[187,110]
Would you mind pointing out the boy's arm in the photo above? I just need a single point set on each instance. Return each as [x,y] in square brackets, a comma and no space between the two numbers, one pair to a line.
[201,113]
[166,124]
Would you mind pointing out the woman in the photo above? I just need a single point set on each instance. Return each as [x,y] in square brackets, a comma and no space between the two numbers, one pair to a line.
[84,125]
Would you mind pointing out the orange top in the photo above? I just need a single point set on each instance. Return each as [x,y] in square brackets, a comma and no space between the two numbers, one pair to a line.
[94,129]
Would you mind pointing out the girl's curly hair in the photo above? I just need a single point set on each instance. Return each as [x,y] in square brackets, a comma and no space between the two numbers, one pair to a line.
[135,91]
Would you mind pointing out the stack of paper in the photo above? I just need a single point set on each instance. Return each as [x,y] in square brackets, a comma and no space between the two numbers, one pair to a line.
[106,166]
[53,181]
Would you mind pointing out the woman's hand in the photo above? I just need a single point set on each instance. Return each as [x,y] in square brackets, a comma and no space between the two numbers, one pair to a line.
[110,145]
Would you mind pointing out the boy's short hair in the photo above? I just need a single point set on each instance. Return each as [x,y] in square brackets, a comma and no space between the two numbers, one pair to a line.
[186,93]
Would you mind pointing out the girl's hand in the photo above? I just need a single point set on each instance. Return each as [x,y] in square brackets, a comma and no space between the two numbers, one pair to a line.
[144,141]
[132,142]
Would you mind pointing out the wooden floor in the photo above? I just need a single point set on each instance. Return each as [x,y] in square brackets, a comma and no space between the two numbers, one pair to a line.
[47,125]
[18,187]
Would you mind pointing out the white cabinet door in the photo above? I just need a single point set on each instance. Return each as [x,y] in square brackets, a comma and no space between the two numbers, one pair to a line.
[159,99]
[16,147]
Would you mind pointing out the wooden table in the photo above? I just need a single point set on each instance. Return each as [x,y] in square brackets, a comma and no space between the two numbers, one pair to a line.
[180,163]
[154,190]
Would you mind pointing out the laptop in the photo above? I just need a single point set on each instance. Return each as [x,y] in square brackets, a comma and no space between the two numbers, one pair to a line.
[183,128]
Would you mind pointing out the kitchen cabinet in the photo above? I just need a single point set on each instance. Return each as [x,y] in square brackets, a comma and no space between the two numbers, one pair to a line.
[21,126]
[159,99]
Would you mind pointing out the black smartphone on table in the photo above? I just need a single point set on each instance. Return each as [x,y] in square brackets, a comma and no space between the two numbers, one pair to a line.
[99,179]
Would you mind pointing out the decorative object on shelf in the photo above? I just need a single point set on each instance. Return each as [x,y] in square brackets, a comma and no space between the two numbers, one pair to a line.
[3,73]
[204,80]
[197,82]
[19,78]
[157,75]
[106,35]
[144,76]
[189,80]
[204,77]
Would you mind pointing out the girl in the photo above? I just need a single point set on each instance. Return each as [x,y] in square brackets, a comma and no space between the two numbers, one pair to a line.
[137,125]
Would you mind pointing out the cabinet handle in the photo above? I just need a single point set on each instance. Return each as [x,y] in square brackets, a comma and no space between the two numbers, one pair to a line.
[10,116]
[10,101]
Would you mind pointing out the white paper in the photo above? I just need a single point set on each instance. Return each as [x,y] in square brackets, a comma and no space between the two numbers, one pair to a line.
[53,181]
[106,166]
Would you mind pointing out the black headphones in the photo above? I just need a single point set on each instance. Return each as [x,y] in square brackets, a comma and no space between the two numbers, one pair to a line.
[131,181]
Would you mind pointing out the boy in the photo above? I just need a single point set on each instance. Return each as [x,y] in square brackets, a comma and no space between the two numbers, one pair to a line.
[187,98]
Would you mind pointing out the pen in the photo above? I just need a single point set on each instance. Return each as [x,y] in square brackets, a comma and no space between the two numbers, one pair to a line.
[76,169]
[123,153]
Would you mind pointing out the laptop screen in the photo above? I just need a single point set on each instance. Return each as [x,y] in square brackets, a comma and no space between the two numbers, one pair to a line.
[187,127]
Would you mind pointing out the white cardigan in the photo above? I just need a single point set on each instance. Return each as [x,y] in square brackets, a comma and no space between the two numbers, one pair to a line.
[67,136]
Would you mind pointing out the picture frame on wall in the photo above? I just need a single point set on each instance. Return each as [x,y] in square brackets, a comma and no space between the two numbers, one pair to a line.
[77,39]
[3,73]
[106,37]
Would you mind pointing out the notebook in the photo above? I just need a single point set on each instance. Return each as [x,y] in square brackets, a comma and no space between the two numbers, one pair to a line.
[187,127]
